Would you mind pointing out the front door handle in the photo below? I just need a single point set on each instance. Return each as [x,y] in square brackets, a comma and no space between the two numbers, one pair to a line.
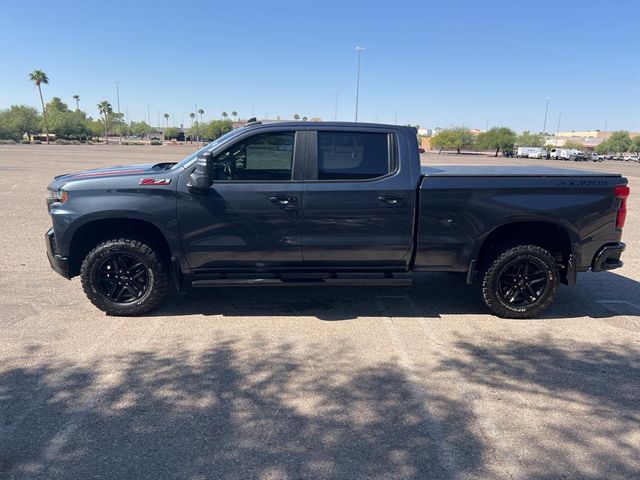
[391,199]
[284,200]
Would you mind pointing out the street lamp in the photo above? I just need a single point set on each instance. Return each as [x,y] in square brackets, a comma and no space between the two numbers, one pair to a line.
[359,50]
[558,129]
[546,110]
[119,119]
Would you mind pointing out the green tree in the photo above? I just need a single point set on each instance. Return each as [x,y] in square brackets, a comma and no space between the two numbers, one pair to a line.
[635,145]
[18,120]
[170,133]
[216,129]
[441,140]
[56,105]
[39,78]
[619,141]
[573,145]
[139,129]
[455,138]
[224,115]
[304,119]
[528,139]
[67,124]
[201,112]
[498,137]
[166,120]
[105,109]
[603,147]
[296,117]
[234,114]
[77,99]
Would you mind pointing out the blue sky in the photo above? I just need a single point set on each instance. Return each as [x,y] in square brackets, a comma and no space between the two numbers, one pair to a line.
[434,63]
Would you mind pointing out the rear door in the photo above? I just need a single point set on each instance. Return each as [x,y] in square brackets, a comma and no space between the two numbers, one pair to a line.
[359,201]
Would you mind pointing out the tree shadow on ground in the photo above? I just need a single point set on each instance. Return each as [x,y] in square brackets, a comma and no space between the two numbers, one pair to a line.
[584,398]
[230,411]
[432,296]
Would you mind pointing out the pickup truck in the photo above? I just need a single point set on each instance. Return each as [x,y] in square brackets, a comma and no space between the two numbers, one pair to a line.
[330,203]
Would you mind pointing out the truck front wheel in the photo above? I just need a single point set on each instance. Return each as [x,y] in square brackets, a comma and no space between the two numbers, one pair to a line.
[520,281]
[124,277]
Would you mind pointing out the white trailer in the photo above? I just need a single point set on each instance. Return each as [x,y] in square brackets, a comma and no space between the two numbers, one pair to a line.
[563,153]
[531,152]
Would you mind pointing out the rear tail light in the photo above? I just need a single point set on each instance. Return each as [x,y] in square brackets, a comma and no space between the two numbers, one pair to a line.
[621,192]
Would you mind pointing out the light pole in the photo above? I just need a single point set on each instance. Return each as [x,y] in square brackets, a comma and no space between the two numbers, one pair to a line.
[359,50]
[558,129]
[544,127]
[335,109]
[119,119]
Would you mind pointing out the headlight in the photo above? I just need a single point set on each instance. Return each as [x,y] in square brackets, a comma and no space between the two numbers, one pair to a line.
[56,196]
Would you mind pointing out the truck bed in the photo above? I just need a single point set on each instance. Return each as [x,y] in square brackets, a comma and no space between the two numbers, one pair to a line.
[460,205]
[507,171]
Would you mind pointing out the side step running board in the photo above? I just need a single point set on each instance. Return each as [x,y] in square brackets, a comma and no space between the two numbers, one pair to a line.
[312,282]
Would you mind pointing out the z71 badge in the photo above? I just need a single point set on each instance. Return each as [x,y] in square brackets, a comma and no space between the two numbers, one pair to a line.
[155,181]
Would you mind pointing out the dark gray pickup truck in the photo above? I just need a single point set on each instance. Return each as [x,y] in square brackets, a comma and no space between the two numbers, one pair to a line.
[300,203]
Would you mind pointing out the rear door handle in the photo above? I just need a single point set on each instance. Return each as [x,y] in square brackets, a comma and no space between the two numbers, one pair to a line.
[391,199]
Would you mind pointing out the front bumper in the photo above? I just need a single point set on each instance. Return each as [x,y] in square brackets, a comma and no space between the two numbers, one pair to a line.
[59,263]
[608,257]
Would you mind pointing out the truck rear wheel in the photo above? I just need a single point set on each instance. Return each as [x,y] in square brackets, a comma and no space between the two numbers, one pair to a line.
[124,277]
[520,281]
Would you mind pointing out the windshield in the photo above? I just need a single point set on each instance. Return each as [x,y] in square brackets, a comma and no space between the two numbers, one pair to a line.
[227,136]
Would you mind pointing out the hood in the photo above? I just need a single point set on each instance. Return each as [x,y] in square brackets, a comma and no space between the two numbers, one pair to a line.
[120,171]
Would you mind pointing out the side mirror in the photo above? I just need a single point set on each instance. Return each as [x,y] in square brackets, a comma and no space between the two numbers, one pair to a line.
[201,177]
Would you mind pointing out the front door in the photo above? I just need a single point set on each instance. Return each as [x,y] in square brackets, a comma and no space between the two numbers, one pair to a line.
[250,216]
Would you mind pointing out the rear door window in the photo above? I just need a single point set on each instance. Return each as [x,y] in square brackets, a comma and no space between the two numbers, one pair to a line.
[353,155]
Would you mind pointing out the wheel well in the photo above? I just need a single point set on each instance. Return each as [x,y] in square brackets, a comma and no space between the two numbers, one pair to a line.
[549,236]
[92,233]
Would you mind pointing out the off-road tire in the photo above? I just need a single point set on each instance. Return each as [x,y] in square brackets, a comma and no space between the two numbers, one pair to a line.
[506,258]
[157,283]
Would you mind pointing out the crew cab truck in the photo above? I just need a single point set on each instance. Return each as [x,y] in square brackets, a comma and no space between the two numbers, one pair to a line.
[298,203]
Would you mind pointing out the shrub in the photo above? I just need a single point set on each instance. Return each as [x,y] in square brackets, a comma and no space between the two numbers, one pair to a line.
[62,141]
[36,142]
[156,142]
[24,141]
[8,142]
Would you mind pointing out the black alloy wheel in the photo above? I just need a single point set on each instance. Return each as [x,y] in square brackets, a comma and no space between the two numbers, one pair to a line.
[519,281]
[522,282]
[122,278]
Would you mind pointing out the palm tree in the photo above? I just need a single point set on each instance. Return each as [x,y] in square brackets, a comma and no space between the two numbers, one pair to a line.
[224,115]
[38,77]
[296,117]
[304,119]
[192,115]
[234,114]
[166,119]
[201,112]
[77,99]
[104,107]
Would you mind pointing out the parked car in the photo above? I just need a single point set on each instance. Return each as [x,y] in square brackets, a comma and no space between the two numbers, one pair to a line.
[508,153]
[306,203]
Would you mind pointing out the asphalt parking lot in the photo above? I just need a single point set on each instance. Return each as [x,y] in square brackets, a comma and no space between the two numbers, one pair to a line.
[335,383]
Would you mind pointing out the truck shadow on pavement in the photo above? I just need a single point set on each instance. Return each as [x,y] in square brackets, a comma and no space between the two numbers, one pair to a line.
[238,409]
[433,295]
[230,410]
